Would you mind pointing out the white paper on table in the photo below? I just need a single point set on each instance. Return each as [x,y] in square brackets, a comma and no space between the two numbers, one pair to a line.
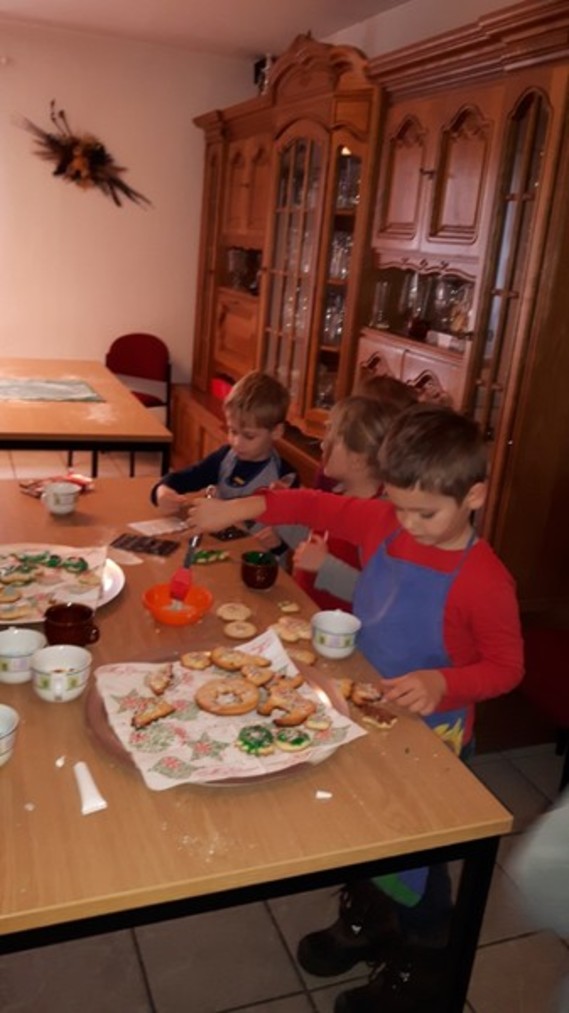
[161,526]
[193,746]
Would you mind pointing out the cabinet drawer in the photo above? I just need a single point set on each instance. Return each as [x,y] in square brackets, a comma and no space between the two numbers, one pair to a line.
[437,379]
[235,338]
[379,356]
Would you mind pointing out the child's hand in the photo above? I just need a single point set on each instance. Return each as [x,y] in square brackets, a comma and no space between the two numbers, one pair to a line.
[310,555]
[268,539]
[418,692]
[207,514]
[170,502]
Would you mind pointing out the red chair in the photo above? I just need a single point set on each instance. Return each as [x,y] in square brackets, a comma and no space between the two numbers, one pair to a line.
[546,683]
[143,363]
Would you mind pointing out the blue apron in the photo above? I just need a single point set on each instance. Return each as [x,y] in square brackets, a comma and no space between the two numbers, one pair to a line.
[401,606]
[270,473]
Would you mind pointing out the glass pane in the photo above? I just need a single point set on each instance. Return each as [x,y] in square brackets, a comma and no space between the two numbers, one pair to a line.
[348,177]
[295,255]
[524,148]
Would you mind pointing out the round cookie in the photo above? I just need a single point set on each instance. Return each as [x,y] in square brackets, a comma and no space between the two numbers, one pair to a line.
[257,740]
[318,722]
[365,692]
[233,611]
[290,629]
[227,696]
[292,740]
[257,674]
[302,654]
[19,610]
[228,660]
[240,630]
[197,660]
[8,595]
[289,606]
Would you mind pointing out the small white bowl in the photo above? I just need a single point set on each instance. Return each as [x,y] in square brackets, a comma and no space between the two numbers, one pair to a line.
[60,672]
[334,633]
[9,721]
[17,645]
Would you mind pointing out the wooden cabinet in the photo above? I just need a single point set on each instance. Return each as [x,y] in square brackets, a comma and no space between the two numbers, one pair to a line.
[235,333]
[247,191]
[198,430]
[438,170]
[284,262]
[474,175]
[234,219]
[437,374]
[317,261]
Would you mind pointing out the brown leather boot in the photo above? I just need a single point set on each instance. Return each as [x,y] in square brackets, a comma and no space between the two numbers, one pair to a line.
[367,920]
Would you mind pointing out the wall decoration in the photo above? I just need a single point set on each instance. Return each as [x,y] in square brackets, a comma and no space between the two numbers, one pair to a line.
[81,159]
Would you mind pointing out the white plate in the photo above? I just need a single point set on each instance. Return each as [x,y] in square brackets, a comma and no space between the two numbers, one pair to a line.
[113,581]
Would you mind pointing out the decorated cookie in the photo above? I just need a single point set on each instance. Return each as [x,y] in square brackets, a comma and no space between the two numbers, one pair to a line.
[292,740]
[289,606]
[257,674]
[228,660]
[258,740]
[9,594]
[197,660]
[19,610]
[318,722]
[295,707]
[302,654]
[233,611]
[228,696]
[153,712]
[377,716]
[365,692]
[159,680]
[290,629]
[240,630]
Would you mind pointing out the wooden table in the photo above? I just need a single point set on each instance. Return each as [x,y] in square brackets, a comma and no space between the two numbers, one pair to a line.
[118,422]
[393,799]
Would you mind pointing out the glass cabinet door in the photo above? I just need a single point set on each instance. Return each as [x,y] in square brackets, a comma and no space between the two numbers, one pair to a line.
[293,261]
[525,145]
[331,320]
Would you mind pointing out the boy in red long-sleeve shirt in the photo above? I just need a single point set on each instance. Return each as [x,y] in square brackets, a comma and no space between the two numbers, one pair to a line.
[440,624]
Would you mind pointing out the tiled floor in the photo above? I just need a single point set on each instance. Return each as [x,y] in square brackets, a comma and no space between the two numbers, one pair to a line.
[243,959]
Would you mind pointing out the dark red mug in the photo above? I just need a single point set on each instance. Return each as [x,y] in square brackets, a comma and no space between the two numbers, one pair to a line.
[259,569]
[70,623]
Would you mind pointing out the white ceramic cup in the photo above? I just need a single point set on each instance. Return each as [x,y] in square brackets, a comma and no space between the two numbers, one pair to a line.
[17,645]
[334,633]
[9,721]
[60,497]
[60,672]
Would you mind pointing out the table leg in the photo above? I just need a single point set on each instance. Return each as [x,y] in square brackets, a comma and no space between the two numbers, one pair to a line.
[468,913]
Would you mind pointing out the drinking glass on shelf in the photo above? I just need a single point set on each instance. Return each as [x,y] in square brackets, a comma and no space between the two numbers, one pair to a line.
[379,317]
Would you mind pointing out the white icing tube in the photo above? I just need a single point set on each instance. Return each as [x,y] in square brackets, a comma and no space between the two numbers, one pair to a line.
[91,799]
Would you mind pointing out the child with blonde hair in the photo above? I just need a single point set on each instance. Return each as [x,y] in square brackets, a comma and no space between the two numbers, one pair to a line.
[327,567]
[255,413]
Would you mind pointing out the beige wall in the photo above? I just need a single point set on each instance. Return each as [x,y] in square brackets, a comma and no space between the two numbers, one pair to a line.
[75,271]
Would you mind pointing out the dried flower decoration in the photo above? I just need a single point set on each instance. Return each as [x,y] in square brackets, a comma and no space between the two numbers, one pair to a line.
[81,159]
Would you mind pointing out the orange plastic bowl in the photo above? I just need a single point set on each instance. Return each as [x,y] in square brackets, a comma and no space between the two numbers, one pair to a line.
[165,609]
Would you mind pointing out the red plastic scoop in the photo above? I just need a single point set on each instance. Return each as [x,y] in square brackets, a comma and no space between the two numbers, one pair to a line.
[181,582]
